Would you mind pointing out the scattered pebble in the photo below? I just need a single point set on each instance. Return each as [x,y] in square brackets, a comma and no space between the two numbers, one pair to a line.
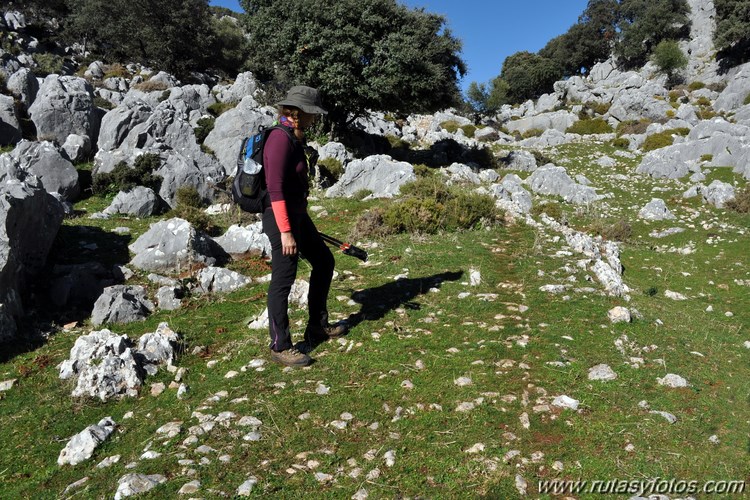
[714,439]
[390,458]
[477,448]
[322,389]
[566,402]
[407,384]
[521,484]
[667,416]
[7,385]
[462,381]
[246,488]
[190,488]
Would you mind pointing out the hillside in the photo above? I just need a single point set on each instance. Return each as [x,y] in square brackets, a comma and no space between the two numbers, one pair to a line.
[553,297]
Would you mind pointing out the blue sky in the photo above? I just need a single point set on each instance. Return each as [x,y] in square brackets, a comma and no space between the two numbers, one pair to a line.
[491,30]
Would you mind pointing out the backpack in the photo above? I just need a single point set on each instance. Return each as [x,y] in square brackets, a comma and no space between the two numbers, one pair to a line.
[249,186]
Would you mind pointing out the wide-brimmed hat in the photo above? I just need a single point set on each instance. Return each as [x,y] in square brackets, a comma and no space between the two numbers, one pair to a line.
[305,98]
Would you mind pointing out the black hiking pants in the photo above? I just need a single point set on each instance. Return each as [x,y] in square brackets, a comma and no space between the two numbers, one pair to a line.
[284,272]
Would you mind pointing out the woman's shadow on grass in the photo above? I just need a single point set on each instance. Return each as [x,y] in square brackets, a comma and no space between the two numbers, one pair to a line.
[378,301]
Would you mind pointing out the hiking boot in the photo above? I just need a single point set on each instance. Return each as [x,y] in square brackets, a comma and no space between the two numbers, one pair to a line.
[291,357]
[320,333]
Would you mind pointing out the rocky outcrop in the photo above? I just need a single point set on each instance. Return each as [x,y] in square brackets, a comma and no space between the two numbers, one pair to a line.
[64,105]
[10,127]
[82,446]
[139,202]
[29,221]
[238,240]
[379,174]
[553,180]
[43,160]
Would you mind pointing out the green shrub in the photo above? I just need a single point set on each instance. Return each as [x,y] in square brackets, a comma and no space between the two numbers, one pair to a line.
[674,95]
[428,205]
[188,196]
[532,132]
[370,224]
[621,143]
[707,157]
[588,127]
[449,126]
[696,86]
[332,166]
[620,230]
[218,108]
[741,201]
[151,86]
[205,126]
[116,71]
[422,170]
[747,99]
[706,113]
[670,113]
[703,101]
[630,127]
[541,158]
[125,178]
[397,142]
[189,206]
[599,108]
[552,209]
[469,130]
[101,102]
[47,63]
[662,139]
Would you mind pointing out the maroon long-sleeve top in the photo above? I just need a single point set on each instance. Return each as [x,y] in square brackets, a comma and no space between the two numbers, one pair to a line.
[286,177]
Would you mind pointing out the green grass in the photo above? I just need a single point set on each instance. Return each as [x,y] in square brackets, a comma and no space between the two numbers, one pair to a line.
[404,322]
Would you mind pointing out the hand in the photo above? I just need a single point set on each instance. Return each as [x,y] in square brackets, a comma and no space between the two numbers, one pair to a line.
[288,244]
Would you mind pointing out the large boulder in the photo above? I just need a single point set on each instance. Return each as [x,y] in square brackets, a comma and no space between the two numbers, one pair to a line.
[81,446]
[737,90]
[725,142]
[121,304]
[239,240]
[29,221]
[10,127]
[244,85]
[718,193]
[557,120]
[64,105]
[174,246]
[225,140]
[641,102]
[43,160]
[656,209]
[379,174]
[553,180]
[511,195]
[118,122]
[219,280]
[139,202]
[105,365]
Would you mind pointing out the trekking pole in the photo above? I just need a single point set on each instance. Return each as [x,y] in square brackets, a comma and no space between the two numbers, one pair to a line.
[346,248]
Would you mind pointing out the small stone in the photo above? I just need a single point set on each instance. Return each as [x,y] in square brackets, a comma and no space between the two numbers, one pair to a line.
[674,295]
[339,424]
[407,384]
[322,389]
[247,487]
[170,430]
[566,402]
[714,439]
[602,372]
[204,449]
[225,459]
[75,485]
[150,455]
[629,447]
[475,278]
[465,407]
[619,314]
[462,381]
[710,309]
[361,494]
[511,455]
[182,391]
[108,461]
[190,488]
[231,374]
[558,466]
[747,344]
[419,365]
[346,416]
[521,484]
[249,421]
[7,385]
[667,416]
[253,436]
[373,474]
[134,484]
[390,458]
[729,314]
[127,415]
[477,448]
[157,388]
[672,380]
[323,477]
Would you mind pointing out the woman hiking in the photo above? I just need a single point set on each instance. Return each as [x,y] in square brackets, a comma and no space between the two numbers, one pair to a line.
[291,231]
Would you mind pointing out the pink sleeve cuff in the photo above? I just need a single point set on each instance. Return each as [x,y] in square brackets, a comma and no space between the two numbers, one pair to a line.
[281,215]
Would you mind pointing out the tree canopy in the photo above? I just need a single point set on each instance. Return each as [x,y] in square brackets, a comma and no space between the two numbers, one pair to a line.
[175,35]
[732,35]
[361,54]
[529,75]
[645,23]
